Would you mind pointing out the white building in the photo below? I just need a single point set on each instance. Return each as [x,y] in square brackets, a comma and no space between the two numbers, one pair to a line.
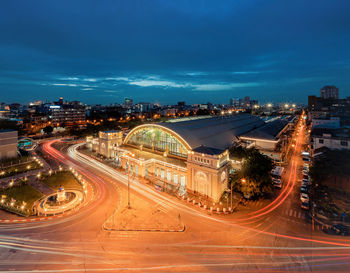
[8,143]
[329,138]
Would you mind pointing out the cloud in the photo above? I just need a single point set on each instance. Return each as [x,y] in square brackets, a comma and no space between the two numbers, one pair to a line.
[223,86]
[163,83]
[111,91]
[65,84]
[245,72]
[87,89]
[89,80]
[117,79]
[69,78]
[196,73]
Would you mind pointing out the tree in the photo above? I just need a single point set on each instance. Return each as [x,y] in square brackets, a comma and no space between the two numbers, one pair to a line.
[48,129]
[254,178]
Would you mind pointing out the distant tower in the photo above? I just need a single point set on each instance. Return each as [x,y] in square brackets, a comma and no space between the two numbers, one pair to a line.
[329,92]
[247,101]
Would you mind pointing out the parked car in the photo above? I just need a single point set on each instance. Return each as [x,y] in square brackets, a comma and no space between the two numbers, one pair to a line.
[305,172]
[304,184]
[305,176]
[304,190]
[304,197]
[306,159]
[341,229]
[277,183]
[305,205]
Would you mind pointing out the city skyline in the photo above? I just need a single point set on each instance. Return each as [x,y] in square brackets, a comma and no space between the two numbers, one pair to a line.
[170,52]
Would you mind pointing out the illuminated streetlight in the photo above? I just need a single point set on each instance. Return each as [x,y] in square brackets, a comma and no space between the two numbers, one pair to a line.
[269,105]
[286,105]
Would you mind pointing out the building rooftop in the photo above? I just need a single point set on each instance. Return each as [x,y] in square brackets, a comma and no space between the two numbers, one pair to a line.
[216,132]
[111,131]
[343,132]
[269,131]
[208,150]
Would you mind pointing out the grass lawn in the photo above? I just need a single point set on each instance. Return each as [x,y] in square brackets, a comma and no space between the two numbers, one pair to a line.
[20,168]
[21,192]
[65,178]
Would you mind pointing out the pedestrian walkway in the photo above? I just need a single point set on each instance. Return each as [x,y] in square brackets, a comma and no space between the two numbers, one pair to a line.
[295,213]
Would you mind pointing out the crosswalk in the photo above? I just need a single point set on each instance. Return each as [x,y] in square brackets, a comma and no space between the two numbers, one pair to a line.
[254,203]
[295,213]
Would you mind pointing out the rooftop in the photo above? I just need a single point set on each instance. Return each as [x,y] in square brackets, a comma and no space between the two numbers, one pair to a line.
[208,150]
[343,132]
[269,131]
[216,132]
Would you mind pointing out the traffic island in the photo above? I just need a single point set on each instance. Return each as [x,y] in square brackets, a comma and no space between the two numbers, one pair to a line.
[53,205]
[143,216]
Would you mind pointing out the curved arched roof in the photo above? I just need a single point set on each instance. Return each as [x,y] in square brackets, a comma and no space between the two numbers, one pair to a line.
[216,132]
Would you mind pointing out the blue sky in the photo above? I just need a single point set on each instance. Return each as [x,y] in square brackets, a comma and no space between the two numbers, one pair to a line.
[166,51]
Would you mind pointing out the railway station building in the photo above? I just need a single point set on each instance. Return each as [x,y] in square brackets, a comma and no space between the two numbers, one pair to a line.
[187,155]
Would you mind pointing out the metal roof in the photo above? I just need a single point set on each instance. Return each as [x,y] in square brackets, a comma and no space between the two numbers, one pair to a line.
[215,132]
[269,131]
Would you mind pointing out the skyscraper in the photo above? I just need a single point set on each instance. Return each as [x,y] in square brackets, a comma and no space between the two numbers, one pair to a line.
[329,92]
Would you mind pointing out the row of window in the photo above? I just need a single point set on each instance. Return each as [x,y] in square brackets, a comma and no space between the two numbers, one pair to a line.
[342,142]
[201,160]
[170,177]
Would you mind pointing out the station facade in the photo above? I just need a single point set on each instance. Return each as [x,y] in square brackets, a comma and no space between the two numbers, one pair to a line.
[186,156]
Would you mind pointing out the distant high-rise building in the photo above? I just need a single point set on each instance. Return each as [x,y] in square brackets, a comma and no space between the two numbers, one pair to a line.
[329,92]
[247,101]
[234,102]
[128,102]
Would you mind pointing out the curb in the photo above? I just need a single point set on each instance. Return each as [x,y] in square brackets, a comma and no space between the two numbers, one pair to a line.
[145,230]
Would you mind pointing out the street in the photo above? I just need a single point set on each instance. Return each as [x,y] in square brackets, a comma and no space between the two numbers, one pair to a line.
[277,237]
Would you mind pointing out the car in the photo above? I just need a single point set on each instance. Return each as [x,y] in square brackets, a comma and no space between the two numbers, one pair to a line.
[277,183]
[306,159]
[305,176]
[305,205]
[305,181]
[304,197]
[304,189]
[304,184]
[305,172]
[341,229]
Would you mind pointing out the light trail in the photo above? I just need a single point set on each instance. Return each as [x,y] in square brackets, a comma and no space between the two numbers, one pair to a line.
[147,192]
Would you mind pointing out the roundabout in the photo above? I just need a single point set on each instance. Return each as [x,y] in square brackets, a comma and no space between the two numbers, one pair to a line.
[60,202]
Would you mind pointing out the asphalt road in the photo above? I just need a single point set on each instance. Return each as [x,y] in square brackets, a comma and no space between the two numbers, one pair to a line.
[275,238]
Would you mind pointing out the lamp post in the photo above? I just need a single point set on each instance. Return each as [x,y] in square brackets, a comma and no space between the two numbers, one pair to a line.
[128,184]
[231,193]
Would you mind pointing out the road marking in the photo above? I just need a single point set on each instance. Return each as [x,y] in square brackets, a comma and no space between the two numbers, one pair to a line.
[299,215]
[290,212]
[295,214]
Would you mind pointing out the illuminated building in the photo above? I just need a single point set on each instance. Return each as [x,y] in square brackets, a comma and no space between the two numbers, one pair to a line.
[185,155]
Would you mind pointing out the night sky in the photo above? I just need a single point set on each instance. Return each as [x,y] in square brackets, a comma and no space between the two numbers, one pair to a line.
[172,50]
